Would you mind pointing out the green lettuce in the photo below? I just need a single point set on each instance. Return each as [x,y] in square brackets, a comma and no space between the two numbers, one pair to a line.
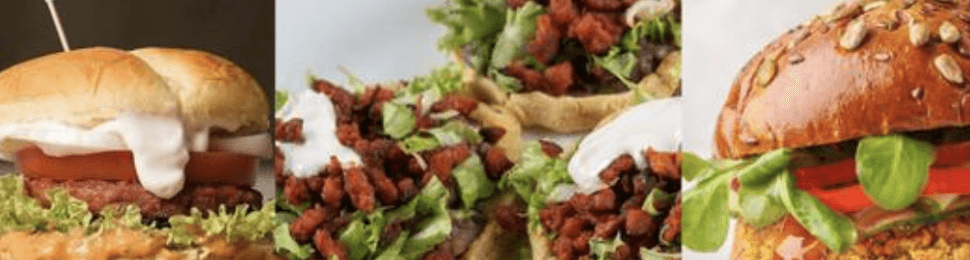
[535,178]
[398,120]
[281,98]
[362,236]
[239,224]
[19,212]
[520,27]
[284,244]
[603,249]
[472,182]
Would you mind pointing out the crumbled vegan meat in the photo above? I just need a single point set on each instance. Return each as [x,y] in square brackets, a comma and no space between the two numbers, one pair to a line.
[563,11]
[569,32]
[464,105]
[101,193]
[388,176]
[558,78]
[613,211]
[550,149]
[663,164]
[546,41]
[328,246]
[597,32]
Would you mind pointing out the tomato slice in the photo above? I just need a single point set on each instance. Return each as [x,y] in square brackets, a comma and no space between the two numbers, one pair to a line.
[203,167]
[945,177]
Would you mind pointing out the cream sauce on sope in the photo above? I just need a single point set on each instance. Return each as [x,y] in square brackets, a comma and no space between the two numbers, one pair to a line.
[653,124]
[320,131]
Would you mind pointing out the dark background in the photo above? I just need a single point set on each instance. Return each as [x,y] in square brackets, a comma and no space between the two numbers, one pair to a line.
[242,31]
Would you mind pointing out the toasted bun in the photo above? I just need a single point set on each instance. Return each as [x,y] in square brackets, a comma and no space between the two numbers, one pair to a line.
[83,87]
[211,89]
[86,87]
[942,240]
[814,85]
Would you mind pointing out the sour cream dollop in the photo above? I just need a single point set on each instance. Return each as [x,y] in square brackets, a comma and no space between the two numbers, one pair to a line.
[320,131]
[655,124]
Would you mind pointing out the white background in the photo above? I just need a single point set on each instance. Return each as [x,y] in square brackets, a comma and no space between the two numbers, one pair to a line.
[719,37]
[378,40]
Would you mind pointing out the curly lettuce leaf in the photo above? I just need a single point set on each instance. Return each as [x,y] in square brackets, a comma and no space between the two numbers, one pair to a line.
[232,225]
[19,212]
[519,28]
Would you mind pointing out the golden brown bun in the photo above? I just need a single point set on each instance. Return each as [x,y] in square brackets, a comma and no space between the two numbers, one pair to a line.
[211,89]
[814,86]
[124,244]
[947,239]
[83,87]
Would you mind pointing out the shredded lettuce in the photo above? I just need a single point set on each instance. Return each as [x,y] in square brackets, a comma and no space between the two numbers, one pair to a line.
[472,182]
[398,120]
[362,236]
[468,21]
[281,98]
[284,244]
[658,30]
[622,58]
[620,63]
[355,83]
[510,84]
[520,26]
[535,179]
[603,249]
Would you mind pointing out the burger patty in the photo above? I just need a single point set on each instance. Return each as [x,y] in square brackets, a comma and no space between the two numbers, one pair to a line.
[946,239]
[100,193]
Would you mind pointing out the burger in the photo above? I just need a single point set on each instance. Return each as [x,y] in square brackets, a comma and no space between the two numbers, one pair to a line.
[581,57]
[132,154]
[616,197]
[845,138]
[392,171]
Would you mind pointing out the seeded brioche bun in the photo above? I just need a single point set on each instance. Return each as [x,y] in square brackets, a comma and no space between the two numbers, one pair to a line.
[828,81]
[211,89]
[866,68]
[83,87]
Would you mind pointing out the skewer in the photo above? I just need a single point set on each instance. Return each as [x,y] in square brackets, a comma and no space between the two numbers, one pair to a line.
[57,24]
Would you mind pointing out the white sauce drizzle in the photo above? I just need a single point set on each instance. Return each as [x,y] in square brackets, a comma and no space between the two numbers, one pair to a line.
[320,131]
[652,124]
[158,143]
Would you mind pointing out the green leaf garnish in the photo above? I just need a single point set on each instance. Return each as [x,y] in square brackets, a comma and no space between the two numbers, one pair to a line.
[893,169]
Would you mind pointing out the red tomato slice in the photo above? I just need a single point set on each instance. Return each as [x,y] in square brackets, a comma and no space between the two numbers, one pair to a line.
[203,167]
[944,178]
